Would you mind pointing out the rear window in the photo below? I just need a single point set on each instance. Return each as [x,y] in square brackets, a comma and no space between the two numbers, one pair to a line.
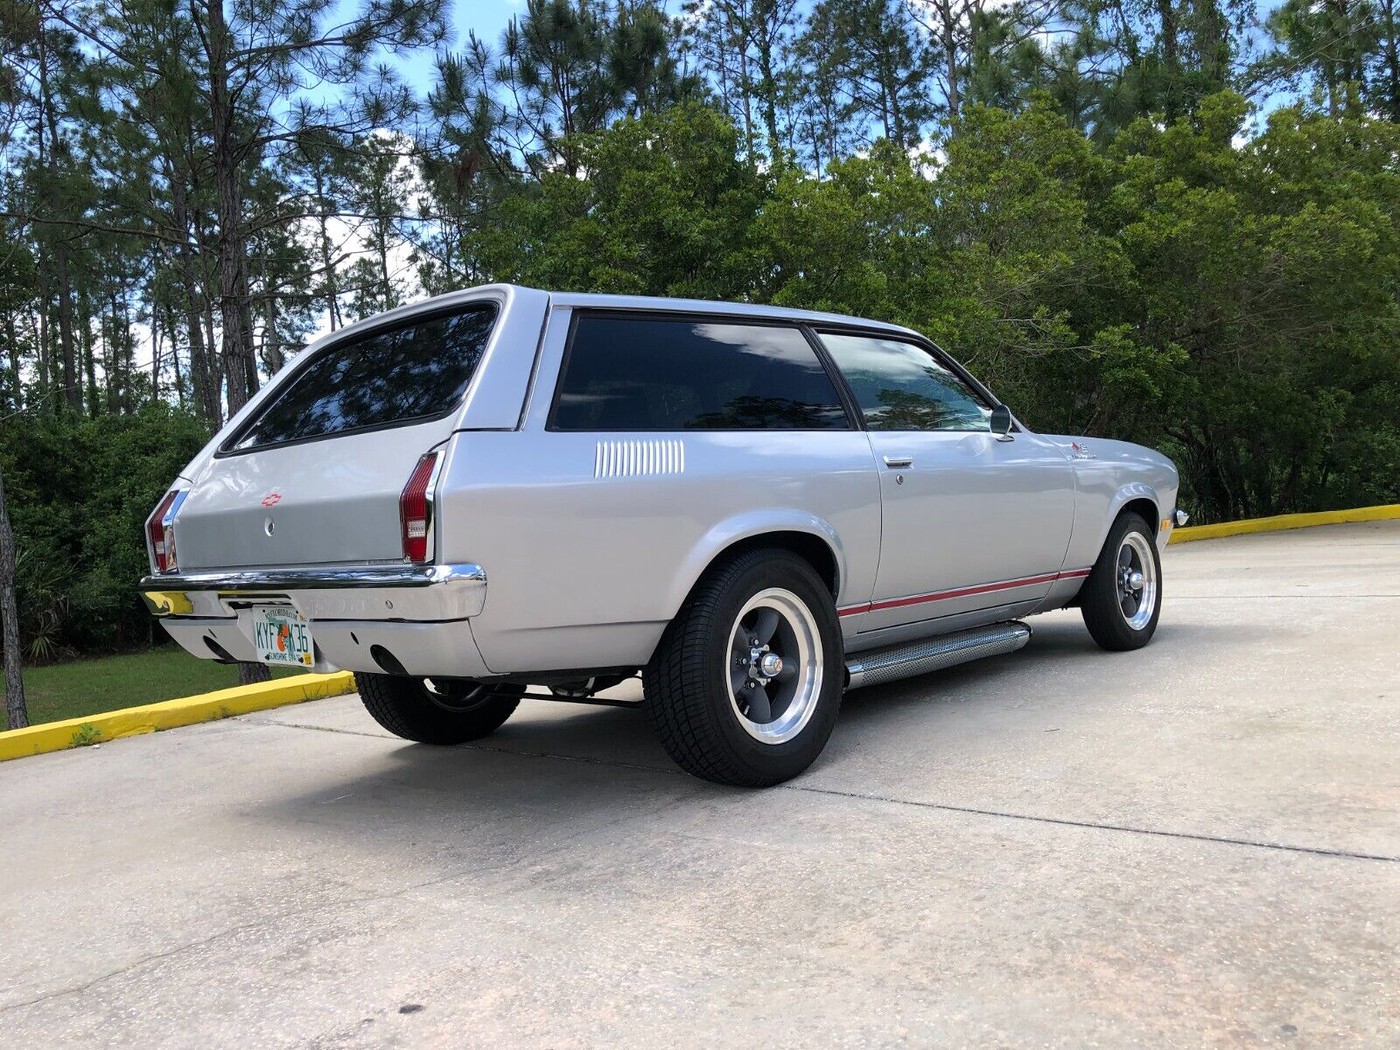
[667,374]
[404,374]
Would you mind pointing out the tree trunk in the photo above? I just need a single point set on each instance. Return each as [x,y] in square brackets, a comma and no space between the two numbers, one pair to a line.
[240,369]
[15,709]
[203,385]
[216,372]
[72,391]
[89,368]
[101,398]
[126,388]
[72,395]
[41,328]
[12,344]
[327,270]
[250,673]
[155,350]
[387,299]
[949,40]
[272,355]
[1171,59]
[171,329]
[1390,48]
[747,81]
[768,86]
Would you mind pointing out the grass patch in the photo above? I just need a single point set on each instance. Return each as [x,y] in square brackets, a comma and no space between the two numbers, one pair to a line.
[109,683]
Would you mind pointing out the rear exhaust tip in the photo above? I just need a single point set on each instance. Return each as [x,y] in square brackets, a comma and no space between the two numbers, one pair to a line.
[387,661]
[221,655]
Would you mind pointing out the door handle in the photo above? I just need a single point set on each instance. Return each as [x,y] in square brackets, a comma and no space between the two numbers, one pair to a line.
[899,462]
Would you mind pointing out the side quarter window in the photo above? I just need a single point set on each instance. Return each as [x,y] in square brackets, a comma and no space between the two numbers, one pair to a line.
[902,386]
[651,373]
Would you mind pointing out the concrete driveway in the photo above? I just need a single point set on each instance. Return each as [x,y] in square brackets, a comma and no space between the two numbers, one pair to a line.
[1194,845]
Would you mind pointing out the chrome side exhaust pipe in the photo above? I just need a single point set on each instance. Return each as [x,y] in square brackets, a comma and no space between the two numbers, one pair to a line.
[934,654]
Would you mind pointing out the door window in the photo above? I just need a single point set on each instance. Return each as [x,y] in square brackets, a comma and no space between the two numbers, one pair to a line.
[902,386]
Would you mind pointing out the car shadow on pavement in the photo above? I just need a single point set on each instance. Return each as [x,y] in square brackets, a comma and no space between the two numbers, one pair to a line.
[558,766]
[544,795]
[555,768]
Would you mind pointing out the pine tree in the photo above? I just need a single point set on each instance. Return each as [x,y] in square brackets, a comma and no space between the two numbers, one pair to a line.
[747,50]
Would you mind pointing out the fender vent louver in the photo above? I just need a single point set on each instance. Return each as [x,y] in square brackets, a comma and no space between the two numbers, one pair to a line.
[635,459]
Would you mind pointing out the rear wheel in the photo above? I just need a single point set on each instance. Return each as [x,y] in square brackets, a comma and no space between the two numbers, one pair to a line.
[437,711]
[746,684]
[1122,598]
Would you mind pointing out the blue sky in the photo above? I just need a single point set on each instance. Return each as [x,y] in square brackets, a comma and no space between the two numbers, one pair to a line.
[487,17]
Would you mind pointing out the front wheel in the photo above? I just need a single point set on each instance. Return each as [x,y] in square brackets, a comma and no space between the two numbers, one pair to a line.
[437,711]
[1122,597]
[746,684]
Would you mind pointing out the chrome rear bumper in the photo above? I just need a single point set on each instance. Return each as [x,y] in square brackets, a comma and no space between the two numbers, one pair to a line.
[411,593]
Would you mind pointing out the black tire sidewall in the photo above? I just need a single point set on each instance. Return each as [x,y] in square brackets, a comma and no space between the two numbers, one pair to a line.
[711,614]
[1099,606]
[403,707]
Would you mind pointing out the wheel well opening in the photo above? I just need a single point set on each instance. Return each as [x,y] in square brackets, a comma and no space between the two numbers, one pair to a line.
[1145,509]
[811,548]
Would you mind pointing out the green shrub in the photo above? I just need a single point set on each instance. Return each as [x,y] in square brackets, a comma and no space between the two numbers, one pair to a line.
[79,492]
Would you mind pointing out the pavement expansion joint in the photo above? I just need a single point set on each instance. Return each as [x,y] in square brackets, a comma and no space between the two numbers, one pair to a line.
[1224,840]
[278,724]
[264,921]
[145,960]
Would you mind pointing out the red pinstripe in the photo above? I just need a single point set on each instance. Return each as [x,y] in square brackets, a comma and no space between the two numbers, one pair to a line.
[964,592]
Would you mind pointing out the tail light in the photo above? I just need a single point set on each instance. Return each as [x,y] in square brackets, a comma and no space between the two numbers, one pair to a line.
[160,531]
[416,509]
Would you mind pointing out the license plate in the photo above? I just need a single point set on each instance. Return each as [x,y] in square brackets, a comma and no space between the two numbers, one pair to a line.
[282,636]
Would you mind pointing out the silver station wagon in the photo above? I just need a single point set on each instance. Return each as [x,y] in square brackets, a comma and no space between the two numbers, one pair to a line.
[507,489]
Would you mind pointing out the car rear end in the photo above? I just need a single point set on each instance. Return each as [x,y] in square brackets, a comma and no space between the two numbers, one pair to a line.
[308,532]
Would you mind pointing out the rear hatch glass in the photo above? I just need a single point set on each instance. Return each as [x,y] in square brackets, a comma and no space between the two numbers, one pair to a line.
[408,373]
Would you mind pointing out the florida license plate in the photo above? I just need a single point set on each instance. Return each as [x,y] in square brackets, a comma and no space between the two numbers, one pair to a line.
[282,636]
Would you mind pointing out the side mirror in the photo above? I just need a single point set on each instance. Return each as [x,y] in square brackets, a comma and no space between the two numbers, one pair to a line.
[1001,423]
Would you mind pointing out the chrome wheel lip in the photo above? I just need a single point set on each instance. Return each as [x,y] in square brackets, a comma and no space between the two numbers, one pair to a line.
[799,645]
[1141,568]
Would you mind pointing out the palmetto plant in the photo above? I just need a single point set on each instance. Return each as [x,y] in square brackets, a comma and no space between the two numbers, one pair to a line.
[43,609]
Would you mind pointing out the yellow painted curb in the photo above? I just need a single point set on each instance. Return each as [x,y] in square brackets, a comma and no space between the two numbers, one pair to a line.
[1285,521]
[151,718]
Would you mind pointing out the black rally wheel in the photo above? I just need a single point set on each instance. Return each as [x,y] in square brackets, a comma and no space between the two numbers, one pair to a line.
[746,684]
[446,711]
[1122,598]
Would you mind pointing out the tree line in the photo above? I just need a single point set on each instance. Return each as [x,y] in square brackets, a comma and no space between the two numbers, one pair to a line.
[1168,220]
